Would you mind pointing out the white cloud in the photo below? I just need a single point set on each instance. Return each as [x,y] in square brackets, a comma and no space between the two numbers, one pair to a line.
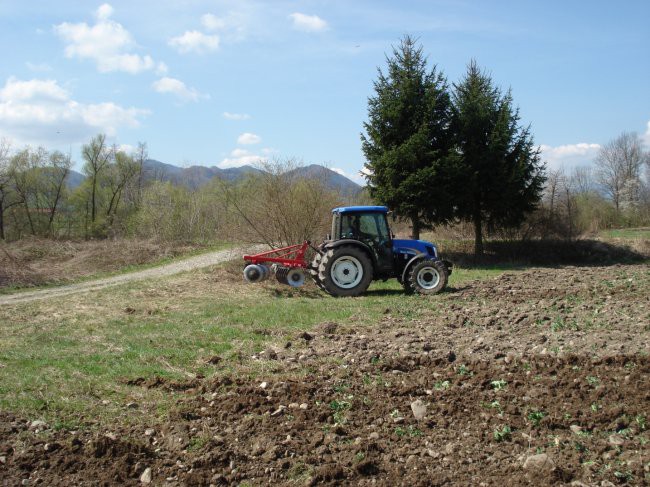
[104,12]
[248,139]
[107,43]
[178,88]
[308,23]
[240,153]
[338,170]
[359,176]
[41,111]
[126,148]
[194,41]
[240,157]
[161,69]
[570,155]
[212,22]
[17,92]
[646,136]
[236,116]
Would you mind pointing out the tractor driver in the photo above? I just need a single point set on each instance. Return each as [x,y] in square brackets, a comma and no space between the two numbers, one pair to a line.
[351,226]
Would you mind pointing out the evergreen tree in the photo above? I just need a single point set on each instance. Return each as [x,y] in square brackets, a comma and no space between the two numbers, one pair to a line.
[503,176]
[407,146]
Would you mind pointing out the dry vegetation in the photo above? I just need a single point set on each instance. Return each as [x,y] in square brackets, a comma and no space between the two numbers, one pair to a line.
[37,261]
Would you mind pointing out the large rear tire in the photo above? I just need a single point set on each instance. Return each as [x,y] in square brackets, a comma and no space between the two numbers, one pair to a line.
[345,271]
[313,270]
[428,277]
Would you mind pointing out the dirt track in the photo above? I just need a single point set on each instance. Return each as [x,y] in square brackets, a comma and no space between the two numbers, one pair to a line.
[534,378]
[199,261]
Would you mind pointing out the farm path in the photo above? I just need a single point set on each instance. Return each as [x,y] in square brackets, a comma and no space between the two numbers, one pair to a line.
[182,265]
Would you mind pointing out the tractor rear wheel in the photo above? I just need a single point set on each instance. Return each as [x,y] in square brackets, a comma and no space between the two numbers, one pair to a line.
[345,271]
[427,277]
[313,270]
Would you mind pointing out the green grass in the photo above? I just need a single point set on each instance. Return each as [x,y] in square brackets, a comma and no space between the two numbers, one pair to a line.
[627,233]
[61,359]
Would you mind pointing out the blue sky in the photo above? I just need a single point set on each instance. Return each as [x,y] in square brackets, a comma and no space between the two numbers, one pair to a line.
[229,82]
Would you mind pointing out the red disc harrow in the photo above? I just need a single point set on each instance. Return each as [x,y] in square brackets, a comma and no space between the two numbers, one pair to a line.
[292,256]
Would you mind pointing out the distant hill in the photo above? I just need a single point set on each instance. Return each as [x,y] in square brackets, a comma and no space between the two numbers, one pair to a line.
[75,179]
[193,176]
[331,179]
[196,176]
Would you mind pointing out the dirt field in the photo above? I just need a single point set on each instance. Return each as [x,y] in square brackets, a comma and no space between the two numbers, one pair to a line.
[539,377]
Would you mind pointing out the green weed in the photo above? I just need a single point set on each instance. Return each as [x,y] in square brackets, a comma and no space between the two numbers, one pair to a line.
[536,417]
[503,433]
[441,385]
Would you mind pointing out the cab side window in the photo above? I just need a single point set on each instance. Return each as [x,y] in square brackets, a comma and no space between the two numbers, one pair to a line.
[382,227]
[348,227]
[368,226]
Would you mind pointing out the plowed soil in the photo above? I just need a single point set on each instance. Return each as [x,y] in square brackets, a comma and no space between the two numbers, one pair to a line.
[533,378]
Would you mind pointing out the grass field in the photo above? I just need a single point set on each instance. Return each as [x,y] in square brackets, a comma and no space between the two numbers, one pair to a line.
[63,360]
[627,233]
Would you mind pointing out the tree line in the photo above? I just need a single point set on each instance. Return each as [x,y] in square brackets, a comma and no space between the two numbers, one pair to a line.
[439,154]
[612,193]
[117,197]
[36,199]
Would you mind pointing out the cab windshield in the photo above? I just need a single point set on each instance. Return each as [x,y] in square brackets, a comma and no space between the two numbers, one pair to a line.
[365,226]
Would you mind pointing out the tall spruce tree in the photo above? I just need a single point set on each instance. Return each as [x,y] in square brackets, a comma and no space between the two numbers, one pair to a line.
[503,175]
[407,144]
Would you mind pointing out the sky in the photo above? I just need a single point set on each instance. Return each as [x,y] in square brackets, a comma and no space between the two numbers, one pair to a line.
[230,82]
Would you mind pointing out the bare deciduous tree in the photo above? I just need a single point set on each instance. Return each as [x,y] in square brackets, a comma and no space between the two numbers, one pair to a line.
[117,177]
[97,156]
[53,184]
[280,207]
[582,180]
[8,195]
[25,172]
[618,167]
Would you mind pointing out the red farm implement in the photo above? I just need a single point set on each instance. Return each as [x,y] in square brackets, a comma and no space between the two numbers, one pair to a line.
[287,263]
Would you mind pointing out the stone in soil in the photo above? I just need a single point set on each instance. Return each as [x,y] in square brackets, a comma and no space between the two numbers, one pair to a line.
[419,409]
[146,476]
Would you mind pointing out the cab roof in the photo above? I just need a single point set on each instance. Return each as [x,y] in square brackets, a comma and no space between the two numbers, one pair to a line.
[361,209]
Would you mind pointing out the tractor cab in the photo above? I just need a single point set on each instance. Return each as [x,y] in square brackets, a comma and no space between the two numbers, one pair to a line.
[368,225]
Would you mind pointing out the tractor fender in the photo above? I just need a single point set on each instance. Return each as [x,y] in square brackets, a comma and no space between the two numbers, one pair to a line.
[413,260]
[357,243]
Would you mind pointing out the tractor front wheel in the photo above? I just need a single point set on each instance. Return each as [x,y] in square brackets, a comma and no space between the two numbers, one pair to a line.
[345,271]
[427,277]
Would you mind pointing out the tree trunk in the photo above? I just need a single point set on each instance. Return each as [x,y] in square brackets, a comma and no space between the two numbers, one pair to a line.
[2,222]
[59,190]
[92,203]
[415,232]
[29,219]
[478,235]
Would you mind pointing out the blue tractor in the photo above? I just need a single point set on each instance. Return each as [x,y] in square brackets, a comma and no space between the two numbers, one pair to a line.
[361,248]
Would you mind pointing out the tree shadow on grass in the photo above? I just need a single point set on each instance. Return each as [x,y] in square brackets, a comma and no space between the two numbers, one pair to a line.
[548,253]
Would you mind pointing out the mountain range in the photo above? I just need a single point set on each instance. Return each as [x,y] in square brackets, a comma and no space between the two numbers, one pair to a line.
[196,176]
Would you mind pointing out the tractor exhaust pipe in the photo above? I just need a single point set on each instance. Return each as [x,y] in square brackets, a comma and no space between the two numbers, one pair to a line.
[255,273]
